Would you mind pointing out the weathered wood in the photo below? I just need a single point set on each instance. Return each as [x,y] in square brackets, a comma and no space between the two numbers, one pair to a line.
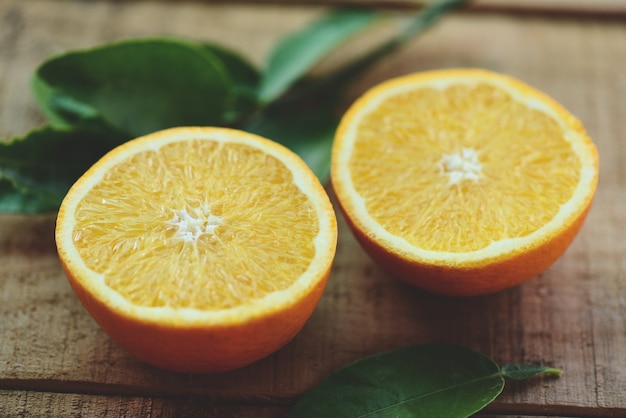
[46,404]
[50,404]
[52,355]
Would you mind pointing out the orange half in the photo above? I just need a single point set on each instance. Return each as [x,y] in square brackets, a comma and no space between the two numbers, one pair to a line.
[463,181]
[198,249]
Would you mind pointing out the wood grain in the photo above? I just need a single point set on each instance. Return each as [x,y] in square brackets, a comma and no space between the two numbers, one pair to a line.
[54,359]
[46,404]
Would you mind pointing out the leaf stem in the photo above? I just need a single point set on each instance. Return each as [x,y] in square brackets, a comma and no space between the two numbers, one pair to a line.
[525,371]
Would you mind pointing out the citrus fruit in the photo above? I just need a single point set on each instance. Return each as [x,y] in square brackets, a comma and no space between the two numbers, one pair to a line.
[198,249]
[462,181]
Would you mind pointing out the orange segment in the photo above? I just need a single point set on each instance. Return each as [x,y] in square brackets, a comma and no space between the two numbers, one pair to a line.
[446,175]
[213,239]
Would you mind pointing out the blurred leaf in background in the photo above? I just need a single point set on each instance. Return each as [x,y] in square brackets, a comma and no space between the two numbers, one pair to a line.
[98,98]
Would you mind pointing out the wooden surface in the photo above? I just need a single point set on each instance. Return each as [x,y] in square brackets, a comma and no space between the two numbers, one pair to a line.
[55,361]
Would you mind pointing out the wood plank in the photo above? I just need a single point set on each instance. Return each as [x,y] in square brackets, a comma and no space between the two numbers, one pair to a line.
[45,404]
[27,404]
[572,316]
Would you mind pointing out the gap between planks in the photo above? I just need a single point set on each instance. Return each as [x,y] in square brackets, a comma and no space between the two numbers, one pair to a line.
[268,400]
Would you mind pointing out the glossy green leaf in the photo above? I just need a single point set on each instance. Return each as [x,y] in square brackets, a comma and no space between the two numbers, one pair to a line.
[137,86]
[295,55]
[242,99]
[431,380]
[60,109]
[37,170]
[16,200]
[306,131]
[239,69]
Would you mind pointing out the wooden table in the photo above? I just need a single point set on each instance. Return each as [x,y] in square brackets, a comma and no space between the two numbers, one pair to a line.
[55,361]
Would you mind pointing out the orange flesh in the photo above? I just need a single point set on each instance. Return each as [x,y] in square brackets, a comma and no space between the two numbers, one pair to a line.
[462,169]
[167,228]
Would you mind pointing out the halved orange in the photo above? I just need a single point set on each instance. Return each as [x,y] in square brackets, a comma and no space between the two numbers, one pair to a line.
[198,249]
[463,181]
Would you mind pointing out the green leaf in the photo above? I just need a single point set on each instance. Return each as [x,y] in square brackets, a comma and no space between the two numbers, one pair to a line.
[295,55]
[239,69]
[37,170]
[525,371]
[13,200]
[100,97]
[137,86]
[307,131]
[59,108]
[303,118]
[242,99]
[431,380]
[426,17]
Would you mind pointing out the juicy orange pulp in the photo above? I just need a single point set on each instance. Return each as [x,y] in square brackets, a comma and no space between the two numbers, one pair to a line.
[198,249]
[463,181]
